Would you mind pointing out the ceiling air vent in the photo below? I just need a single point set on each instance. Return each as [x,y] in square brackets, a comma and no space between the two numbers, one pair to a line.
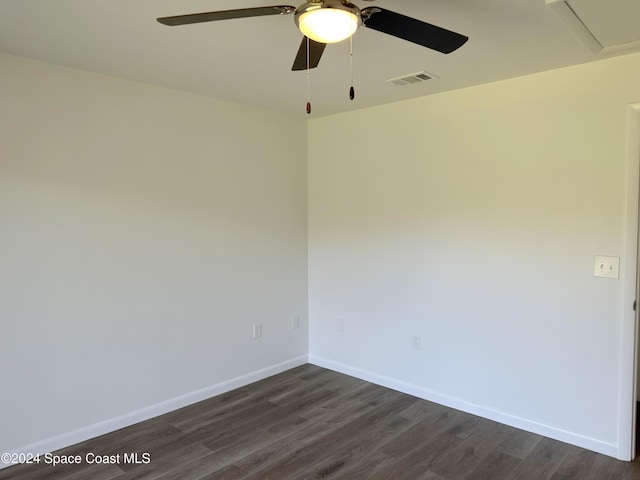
[411,79]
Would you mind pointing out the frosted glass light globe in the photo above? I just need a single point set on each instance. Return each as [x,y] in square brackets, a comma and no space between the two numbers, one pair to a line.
[328,25]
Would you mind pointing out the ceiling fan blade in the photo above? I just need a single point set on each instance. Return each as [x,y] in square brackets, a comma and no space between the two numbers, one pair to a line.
[226,15]
[315,53]
[412,30]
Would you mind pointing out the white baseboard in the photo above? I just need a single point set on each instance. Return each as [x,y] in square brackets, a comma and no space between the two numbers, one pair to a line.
[107,426]
[85,433]
[605,448]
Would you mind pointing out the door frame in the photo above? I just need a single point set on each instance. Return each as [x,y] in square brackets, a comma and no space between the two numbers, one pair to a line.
[629,331]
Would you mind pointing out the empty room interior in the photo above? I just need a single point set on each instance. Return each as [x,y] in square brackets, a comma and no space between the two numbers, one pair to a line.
[174,225]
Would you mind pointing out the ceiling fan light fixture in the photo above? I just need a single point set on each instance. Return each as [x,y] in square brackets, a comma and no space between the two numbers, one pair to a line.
[328,22]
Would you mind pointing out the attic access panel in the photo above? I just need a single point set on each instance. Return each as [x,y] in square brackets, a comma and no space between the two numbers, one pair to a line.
[605,27]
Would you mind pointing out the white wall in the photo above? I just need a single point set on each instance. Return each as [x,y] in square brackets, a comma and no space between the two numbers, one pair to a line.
[142,232]
[471,218]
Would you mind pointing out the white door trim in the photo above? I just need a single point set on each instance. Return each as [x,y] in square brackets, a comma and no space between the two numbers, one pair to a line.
[628,332]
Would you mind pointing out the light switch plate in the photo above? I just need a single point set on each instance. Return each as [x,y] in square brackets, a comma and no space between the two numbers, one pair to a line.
[608,267]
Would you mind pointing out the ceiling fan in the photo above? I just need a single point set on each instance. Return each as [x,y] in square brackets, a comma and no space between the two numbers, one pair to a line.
[331,21]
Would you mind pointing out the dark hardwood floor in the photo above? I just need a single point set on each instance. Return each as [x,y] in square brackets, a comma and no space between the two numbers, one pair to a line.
[310,423]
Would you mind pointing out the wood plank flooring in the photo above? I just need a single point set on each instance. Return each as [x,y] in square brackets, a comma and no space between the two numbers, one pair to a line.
[310,424]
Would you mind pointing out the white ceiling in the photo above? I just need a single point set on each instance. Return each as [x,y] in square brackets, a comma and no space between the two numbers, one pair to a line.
[249,60]
[616,25]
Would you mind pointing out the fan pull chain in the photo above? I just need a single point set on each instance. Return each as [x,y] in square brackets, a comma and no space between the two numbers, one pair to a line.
[352,91]
[308,79]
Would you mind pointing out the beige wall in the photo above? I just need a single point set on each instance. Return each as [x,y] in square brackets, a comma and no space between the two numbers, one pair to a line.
[472,218]
[142,232]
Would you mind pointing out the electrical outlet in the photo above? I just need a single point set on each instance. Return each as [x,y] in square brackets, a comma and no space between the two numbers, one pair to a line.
[295,322]
[340,325]
[257,330]
[415,342]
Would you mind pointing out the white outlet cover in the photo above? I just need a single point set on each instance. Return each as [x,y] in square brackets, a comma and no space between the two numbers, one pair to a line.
[257,330]
[607,267]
